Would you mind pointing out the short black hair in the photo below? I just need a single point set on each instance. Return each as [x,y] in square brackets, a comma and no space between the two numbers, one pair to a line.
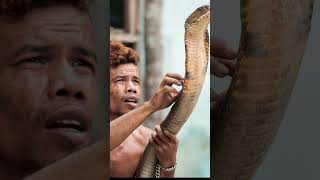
[18,8]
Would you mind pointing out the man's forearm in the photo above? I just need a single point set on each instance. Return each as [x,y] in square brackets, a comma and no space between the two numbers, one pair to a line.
[123,126]
[89,163]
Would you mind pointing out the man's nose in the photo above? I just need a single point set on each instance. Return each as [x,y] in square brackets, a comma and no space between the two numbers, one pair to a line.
[131,87]
[64,83]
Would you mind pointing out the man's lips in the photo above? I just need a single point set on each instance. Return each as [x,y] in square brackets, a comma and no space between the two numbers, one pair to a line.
[73,119]
[131,100]
[69,123]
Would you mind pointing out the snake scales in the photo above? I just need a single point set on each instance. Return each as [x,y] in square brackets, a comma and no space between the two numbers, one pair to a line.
[273,39]
[197,54]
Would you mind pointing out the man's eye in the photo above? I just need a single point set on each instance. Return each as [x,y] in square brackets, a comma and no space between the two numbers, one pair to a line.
[119,80]
[34,60]
[137,82]
[82,63]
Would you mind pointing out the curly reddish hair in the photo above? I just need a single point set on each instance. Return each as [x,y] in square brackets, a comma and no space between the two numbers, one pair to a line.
[121,54]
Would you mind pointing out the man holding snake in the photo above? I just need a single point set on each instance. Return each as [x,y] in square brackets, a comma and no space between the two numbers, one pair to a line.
[125,92]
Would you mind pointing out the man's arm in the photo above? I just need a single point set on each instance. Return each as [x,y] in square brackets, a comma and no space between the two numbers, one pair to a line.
[123,126]
[89,163]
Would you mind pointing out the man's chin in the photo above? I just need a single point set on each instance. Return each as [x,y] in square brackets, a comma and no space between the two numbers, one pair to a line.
[130,106]
[55,154]
[56,146]
[39,160]
[128,109]
[69,138]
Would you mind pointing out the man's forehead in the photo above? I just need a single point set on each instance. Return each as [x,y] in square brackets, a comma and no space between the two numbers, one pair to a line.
[61,23]
[57,12]
[64,15]
[49,26]
[125,70]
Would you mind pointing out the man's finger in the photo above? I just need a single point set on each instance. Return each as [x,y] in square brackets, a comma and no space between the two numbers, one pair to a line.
[151,141]
[170,81]
[230,64]
[218,69]
[171,136]
[160,134]
[175,75]
[156,139]
[170,89]
[218,48]
[174,94]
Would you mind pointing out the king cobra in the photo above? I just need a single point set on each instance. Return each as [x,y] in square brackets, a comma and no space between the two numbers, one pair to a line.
[196,41]
[273,39]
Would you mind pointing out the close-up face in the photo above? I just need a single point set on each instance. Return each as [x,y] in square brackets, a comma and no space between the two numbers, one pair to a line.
[48,92]
[125,88]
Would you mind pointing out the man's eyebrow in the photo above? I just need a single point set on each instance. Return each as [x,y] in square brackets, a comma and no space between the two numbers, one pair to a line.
[31,48]
[136,77]
[120,76]
[86,52]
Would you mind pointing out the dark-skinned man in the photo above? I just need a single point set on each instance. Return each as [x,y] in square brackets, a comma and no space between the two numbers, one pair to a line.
[125,92]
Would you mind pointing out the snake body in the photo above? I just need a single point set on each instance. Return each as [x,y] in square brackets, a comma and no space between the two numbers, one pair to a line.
[197,54]
[273,38]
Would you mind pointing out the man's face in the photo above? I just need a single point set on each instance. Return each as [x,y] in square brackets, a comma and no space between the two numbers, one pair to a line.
[48,85]
[125,89]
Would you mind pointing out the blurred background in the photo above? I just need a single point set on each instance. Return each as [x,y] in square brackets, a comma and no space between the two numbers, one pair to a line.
[155,28]
[294,153]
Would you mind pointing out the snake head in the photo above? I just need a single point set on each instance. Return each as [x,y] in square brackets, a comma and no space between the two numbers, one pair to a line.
[199,16]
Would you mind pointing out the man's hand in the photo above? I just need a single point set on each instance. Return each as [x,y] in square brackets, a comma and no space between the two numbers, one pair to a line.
[166,94]
[223,64]
[165,145]
[223,58]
